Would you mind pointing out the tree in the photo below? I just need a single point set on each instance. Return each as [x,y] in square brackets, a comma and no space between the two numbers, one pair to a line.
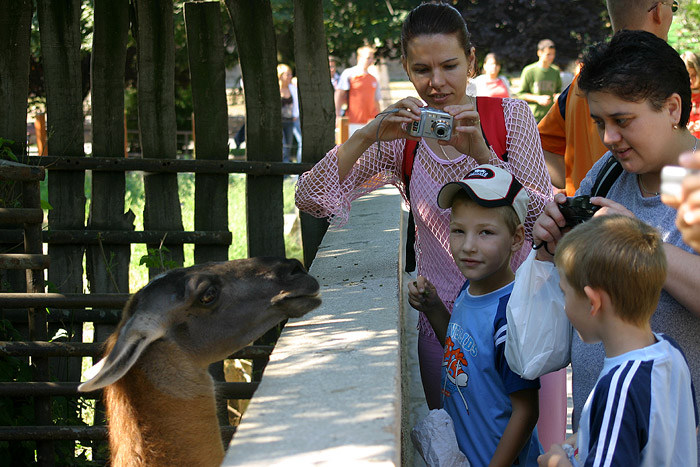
[512,29]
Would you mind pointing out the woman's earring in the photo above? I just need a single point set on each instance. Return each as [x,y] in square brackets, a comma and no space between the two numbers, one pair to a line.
[675,126]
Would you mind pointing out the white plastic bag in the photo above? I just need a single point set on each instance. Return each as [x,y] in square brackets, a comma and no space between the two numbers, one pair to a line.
[539,333]
[434,438]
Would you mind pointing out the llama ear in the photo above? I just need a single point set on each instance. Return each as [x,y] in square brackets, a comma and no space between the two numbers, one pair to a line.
[133,339]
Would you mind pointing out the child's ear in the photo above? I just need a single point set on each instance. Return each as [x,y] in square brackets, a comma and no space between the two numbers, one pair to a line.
[595,296]
[518,238]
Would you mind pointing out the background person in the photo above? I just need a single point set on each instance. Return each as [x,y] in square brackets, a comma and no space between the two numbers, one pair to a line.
[540,82]
[692,64]
[569,137]
[359,90]
[639,96]
[491,82]
[437,56]
[290,112]
[333,67]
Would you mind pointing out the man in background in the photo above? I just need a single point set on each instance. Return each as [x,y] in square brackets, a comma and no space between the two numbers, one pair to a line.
[540,82]
[358,90]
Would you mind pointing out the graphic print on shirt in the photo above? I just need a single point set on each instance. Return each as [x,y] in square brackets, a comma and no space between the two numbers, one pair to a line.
[456,364]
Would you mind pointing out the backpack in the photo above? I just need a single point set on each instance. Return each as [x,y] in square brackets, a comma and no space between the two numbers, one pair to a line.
[493,127]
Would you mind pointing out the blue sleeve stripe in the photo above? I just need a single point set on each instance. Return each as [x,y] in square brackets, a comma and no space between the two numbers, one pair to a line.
[614,410]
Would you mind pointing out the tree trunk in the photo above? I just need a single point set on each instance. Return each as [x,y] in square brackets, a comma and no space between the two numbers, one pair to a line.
[156,94]
[255,37]
[205,45]
[316,95]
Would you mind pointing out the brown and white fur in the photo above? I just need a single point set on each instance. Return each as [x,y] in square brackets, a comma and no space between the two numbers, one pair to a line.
[158,393]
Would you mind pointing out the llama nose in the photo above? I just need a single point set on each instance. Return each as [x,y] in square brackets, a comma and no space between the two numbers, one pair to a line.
[295,268]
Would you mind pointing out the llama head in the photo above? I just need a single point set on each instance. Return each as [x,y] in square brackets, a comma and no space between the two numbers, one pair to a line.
[209,311]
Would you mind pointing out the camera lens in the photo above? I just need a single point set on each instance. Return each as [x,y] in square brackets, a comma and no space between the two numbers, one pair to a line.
[440,129]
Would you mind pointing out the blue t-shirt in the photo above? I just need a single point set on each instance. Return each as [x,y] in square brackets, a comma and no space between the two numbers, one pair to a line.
[642,410]
[476,379]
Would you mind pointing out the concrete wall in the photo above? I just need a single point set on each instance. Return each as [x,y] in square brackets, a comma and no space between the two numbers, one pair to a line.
[342,385]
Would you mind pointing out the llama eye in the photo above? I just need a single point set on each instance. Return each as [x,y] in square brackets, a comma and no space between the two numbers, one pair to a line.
[208,296]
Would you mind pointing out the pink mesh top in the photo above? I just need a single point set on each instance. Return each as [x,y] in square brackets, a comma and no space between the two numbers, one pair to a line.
[320,193]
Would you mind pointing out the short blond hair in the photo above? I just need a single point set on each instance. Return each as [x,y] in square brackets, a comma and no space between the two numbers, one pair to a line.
[618,254]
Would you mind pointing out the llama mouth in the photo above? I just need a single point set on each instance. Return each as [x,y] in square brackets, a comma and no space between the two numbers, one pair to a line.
[297,304]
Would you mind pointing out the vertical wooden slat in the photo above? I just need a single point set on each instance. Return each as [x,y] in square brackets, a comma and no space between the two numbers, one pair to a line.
[255,37]
[205,46]
[107,266]
[15,29]
[317,108]
[156,95]
[59,27]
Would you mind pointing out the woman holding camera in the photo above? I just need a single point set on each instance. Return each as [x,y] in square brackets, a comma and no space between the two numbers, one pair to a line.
[639,97]
[438,57]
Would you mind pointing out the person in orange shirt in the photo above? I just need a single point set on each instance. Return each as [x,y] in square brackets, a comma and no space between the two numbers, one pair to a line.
[359,90]
[568,129]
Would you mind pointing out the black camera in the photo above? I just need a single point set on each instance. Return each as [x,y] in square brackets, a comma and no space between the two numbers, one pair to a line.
[577,210]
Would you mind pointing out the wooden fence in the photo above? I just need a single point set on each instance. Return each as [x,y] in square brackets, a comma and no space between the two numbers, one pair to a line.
[102,243]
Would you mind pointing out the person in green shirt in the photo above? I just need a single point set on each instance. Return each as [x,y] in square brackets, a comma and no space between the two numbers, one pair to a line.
[540,82]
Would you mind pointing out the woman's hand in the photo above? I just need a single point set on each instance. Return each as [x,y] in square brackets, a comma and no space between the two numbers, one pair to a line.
[547,230]
[390,124]
[688,205]
[423,296]
[467,137]
[608,207]
[555,457]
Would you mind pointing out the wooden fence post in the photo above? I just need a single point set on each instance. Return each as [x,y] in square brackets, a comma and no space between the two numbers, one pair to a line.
[317,108]
[15,30]
[156,91]
[108,265]
[208,80]
[59,28]
[205,46]
[255,37]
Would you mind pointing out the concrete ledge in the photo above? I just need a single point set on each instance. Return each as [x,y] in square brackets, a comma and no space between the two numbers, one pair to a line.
[332,392]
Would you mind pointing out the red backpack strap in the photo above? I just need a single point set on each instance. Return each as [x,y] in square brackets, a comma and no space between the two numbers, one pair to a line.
[493,124]
[409,154]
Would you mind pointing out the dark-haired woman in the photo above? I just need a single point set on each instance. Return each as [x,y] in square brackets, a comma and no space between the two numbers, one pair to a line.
[438,57]
[638,92]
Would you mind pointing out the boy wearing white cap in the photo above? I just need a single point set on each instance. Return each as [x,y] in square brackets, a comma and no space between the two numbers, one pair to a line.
[493,409]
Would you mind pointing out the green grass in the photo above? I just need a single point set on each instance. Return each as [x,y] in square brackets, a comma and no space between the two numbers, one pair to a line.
[138,275]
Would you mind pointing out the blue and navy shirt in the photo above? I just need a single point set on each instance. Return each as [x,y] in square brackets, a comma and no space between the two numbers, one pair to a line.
[476,379]
[642,410]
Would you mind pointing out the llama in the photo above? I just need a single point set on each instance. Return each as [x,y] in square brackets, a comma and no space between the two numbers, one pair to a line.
[158,393]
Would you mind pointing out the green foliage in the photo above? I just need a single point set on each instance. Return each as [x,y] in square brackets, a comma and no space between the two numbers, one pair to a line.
[685,29]
[158,258]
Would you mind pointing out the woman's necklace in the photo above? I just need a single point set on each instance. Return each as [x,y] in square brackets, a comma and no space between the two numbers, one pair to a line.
[656,193]
[644,189]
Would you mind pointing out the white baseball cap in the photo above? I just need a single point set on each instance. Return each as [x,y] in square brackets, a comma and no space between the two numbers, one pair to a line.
[490,187]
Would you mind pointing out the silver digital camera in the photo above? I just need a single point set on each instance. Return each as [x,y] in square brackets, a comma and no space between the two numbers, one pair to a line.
[672,178]
[433,123]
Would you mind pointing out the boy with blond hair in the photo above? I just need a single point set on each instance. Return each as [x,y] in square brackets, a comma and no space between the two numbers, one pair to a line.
[642,409]
[494,410]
